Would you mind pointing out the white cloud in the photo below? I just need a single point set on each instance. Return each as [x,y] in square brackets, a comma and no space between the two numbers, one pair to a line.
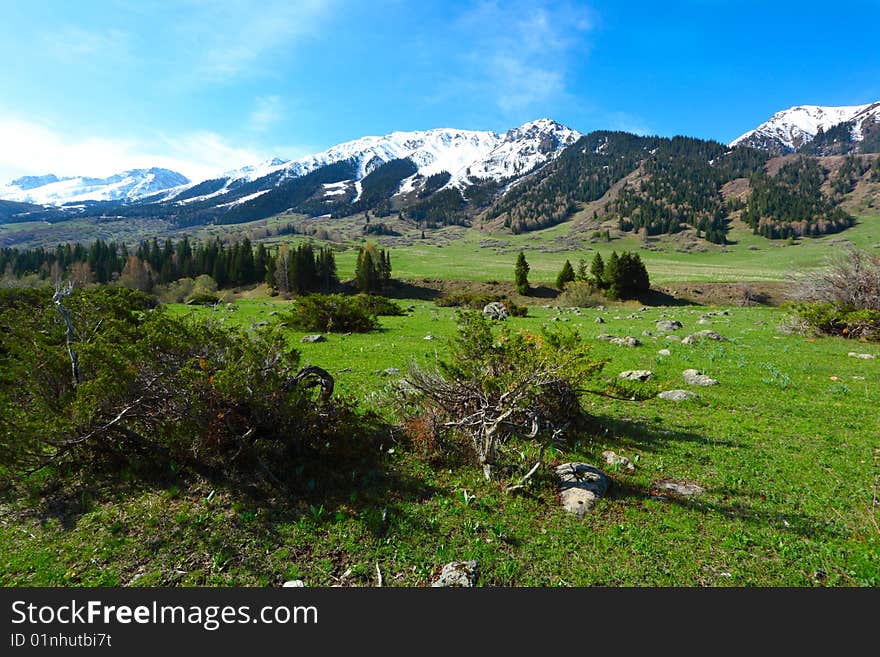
[232,36]
[72,41]
[33,149]
[267,112]
[522,51]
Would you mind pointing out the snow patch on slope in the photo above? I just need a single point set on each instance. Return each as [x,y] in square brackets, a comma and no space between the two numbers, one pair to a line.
[796,126]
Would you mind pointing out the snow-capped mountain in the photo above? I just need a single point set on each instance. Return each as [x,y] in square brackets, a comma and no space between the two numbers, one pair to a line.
[464,154]
[791,129]
[128,186]
[521,150]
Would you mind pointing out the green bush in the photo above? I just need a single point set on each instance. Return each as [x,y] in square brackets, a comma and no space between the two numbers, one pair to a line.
[498,386]
[378,306]
[580,294]
[332,313]
[827,318]
[152,389]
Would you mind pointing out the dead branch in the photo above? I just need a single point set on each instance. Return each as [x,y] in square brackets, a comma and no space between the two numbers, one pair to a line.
[311,376]
[60,293]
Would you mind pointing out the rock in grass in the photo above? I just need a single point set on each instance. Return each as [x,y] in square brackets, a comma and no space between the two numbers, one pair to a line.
[615,459]
[703,335]
[677,395]
[599,320]
[683,488]
[457,574]
[293,584]
[627,341]
[667,325]
[496,310]
[697,378]
[580,486]
[313,338]
[664,352]
[636,375]
[853,354]
[390,371]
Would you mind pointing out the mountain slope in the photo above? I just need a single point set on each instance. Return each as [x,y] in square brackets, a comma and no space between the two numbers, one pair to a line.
[126,186]
[796,128]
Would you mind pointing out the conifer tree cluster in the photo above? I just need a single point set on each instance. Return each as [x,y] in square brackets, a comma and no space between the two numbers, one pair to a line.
[792,204]
[373,269]
[150,264]
[302,269]
[622,276]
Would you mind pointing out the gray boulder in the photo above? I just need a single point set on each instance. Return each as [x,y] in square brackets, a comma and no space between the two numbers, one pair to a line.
[703,335]
[677,395]
[580,486]
[696,378]
[615,459]
[664,352]
[457,574]
[853,354]
[496,310]
[312,338]
[683,488]
[627,341]
[636,375]
[667,325]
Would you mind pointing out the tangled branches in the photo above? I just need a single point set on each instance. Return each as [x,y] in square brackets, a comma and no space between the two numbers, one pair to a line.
[496,387]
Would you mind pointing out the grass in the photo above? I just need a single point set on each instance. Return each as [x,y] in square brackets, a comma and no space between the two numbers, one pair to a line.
[785,446]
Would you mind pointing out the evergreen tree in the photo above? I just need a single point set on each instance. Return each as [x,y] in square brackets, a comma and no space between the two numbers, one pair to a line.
[597,271]
[611,274]
[566,275]
[521,274]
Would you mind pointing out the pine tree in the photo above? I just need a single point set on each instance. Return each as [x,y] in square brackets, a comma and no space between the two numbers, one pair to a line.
[597,271]
[610,276]
[566,275]
[521,274]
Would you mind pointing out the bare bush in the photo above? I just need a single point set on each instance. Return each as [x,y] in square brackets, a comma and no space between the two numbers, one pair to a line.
[850,281]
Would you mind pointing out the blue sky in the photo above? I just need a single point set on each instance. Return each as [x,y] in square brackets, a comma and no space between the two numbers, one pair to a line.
[202,86]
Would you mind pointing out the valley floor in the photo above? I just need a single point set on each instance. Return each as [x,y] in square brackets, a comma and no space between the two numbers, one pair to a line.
[785,448]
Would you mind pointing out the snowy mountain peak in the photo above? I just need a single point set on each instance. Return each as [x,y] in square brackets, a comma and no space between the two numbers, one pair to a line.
[126,186]
[790,129]
[521,150]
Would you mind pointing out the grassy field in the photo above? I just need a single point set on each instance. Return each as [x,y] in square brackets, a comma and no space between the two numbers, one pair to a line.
[786,448]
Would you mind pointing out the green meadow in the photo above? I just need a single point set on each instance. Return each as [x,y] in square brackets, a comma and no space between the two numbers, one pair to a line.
[785,448]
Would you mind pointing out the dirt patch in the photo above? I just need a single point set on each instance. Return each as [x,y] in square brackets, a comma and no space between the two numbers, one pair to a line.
[728,294]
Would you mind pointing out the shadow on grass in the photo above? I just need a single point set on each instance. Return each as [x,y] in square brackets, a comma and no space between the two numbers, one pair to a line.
[728,506]
[643,436]
[311,485]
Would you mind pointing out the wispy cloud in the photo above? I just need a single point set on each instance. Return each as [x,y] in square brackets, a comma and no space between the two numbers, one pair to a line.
[267,112]
[31,148]
[74,41]
[231,37]
[522,51]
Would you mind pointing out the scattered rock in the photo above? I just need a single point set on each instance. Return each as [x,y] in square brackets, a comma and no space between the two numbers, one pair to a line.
[428,337]
[703,335]
[599,320]
[293,584]
[274,313]
[496,310]
[677,395]
[457,574]
[627,341]
[696,378]
[862,356]
[673,338]
[605,336]
[666,325]
[614,459]
[313,338]
[684,488]
[703,320]
[263,323]
[390,371]
[664,352]
[581,485]
[647,334]
[636,375]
